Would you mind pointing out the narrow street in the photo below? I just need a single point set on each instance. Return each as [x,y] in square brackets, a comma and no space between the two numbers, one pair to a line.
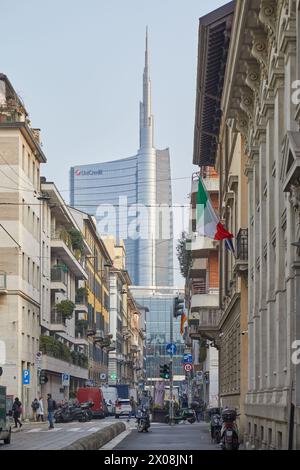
[163,437]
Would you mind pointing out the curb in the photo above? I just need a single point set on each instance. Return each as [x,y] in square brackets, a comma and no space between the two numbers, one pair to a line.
[98,439]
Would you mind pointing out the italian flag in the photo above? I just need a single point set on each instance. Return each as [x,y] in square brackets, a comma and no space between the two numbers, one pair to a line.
[208,223]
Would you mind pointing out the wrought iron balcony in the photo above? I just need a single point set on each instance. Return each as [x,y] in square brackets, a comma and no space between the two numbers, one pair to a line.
[241,262]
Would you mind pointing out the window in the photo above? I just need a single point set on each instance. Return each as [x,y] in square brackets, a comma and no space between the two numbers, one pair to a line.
[23,157]
[28,166]
[33,173]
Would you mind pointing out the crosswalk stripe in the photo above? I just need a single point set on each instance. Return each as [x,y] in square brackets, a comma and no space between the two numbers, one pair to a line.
[34,430]
[53,430]
[93,429]
[74,429]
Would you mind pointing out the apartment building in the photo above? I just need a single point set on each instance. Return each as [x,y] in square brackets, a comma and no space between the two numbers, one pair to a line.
[202,295]
[63,344]
[20,260]
[95,323]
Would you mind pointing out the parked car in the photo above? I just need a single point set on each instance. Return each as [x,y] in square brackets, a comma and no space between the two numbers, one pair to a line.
[5,428]
[123,407]
[95,395]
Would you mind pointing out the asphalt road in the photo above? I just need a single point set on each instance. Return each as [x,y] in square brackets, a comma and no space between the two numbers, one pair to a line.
[182,436]
[38,437]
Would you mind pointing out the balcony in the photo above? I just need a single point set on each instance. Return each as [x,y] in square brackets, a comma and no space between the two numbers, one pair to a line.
[57,322]
[61,246]
[59,278]
[60,366]
[81,304]
[241,261]
[134,348]
[201,246]
[204,322]
[198,267]
[3,283]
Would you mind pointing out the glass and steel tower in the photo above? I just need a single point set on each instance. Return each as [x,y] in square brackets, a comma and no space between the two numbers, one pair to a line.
[134,188]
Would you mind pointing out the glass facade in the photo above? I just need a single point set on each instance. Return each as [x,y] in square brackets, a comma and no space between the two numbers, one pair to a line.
[160,305]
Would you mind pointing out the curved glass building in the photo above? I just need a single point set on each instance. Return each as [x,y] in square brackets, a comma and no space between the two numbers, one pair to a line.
[131,199]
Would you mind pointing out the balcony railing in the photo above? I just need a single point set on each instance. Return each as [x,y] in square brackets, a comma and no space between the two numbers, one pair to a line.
[242,244]
[63,235]
[3,281]
[200,286]
[58,274]
[57,318]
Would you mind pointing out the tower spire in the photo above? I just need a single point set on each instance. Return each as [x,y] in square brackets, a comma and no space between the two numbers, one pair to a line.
[146,119]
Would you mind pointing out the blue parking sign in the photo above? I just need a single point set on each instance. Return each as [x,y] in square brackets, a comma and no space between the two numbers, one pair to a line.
[26,377]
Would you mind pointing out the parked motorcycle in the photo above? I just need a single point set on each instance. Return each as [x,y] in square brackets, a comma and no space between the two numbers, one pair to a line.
[183,414]
[67,413]
[87,407]
[215,427]
[229,431]
[143,419]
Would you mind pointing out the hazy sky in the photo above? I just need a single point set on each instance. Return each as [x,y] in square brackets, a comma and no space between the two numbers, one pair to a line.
[78,67]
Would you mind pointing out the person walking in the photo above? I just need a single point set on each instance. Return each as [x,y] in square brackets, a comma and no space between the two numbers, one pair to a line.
[133,405]
[51,408]
[40,411]
[34,407]
[17,411]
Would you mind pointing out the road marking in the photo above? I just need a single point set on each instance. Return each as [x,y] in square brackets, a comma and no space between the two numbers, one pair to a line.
[114,442]
[74,429]
[34,430]
[52,430]
[93,429]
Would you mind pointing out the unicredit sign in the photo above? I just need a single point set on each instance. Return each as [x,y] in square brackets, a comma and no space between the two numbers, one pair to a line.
[87,172]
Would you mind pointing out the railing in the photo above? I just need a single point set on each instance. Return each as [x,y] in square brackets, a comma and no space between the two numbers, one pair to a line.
[200,286]
[3,281]
[58,275]
[242,244]
[57,318]
[62,234]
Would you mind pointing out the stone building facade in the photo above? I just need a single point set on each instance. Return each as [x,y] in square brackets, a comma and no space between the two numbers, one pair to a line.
[260,104]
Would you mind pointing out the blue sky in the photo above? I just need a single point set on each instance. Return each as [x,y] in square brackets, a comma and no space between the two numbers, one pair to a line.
[78,67]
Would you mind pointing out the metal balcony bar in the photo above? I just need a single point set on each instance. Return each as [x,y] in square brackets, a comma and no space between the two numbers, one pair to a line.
[242,244]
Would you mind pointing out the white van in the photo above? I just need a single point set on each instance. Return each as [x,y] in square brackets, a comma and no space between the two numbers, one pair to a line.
[110,395]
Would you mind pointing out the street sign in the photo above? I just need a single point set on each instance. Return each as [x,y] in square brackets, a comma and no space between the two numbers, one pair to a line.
[65,380]
[89,383]
[102,376]
[26,377]
[188,367]
[187,358]
[171,348]
[113,376]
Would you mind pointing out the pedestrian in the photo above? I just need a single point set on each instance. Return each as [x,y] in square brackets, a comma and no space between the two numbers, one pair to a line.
[34,406]
[51,408]
[133,405]
[40,411]
[17,411]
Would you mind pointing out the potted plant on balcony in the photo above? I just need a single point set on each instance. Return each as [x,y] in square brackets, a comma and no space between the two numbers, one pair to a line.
[81,294]
[81,327]
[65,308]
[76,240]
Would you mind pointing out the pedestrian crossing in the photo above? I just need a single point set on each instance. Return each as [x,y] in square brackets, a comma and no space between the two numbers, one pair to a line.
[56,429]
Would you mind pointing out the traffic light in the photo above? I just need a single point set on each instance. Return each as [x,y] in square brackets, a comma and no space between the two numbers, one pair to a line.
[43,378]
[165,371]
[178,306]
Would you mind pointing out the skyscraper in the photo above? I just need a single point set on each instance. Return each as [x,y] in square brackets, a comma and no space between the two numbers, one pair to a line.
[131,199]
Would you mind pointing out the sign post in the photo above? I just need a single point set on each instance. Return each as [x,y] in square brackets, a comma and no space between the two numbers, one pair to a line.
[65,380]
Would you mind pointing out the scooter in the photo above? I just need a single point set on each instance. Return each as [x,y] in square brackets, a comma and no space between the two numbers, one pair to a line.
[215,427]
[229,431]
[67,413]
[143,420]
[184,414]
